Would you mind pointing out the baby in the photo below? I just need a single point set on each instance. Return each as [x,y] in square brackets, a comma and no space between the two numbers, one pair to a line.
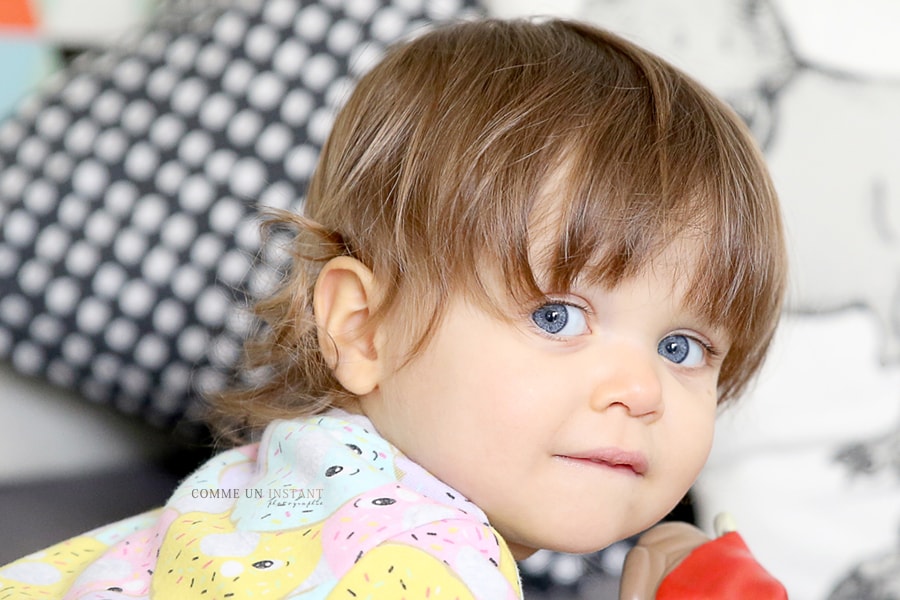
[533,261]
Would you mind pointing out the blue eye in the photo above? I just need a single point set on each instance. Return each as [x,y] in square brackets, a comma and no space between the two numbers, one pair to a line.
[560,319]
[682,350]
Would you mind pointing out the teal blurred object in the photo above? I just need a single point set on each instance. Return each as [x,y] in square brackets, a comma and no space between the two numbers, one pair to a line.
[24,62]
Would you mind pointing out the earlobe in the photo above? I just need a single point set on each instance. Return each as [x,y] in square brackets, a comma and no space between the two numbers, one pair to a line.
[342,303]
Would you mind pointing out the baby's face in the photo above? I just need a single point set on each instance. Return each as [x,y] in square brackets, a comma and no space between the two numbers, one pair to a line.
[578,423]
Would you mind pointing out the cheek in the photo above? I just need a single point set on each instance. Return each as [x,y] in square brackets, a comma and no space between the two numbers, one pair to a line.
[692,440]
[698,443]
[704,443]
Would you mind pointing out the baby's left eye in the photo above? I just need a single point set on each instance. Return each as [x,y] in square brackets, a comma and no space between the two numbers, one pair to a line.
[682,350]
[560,319]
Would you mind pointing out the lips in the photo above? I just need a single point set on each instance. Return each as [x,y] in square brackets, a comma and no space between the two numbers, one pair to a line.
[614,458]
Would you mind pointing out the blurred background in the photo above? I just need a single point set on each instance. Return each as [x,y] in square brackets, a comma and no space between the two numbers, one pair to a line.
[137,136]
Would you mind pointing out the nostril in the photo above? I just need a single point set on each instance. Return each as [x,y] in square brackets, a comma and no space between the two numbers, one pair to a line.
[637,395]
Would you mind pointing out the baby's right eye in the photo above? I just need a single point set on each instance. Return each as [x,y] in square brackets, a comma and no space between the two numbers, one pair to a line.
[560,319]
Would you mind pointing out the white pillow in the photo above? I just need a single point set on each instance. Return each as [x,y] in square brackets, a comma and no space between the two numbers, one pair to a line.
[779,462]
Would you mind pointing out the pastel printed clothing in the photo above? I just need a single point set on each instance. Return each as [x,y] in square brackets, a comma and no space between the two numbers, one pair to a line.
[321,508]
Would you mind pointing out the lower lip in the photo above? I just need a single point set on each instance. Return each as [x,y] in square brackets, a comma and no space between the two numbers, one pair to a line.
[586,462]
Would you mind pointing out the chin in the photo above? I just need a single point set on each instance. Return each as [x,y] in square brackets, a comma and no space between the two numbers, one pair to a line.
[574,535]
[587,547]
[581,544]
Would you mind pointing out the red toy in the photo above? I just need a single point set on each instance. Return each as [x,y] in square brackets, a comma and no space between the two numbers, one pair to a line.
[677,561]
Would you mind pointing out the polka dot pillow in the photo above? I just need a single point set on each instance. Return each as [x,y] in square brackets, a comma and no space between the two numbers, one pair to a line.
[129,188]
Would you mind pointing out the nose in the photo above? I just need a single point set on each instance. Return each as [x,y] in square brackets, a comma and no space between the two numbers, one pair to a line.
[630,380]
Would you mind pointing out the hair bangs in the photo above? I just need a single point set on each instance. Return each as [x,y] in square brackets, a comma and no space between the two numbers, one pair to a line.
[685,170]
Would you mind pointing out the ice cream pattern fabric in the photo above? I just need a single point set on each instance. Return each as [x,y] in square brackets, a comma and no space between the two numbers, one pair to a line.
[320,508]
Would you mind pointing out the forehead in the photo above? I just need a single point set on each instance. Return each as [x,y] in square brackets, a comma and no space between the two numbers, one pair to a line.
[586,246]
[676,266]
[574,222]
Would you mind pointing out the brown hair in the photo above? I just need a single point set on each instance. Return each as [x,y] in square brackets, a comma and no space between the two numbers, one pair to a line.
[436,165]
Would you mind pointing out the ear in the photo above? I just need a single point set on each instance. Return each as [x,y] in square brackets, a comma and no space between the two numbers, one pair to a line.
[342,302]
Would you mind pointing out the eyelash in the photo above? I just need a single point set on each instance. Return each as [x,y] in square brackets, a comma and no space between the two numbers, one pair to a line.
[580,306]
[710,350]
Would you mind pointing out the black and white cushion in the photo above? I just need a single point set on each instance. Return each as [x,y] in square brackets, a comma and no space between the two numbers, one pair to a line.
[129,189]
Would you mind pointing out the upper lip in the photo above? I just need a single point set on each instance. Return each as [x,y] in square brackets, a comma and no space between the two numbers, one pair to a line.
[616,457]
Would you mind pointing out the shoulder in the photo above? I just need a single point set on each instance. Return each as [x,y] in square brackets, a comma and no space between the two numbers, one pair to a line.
[392,537]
